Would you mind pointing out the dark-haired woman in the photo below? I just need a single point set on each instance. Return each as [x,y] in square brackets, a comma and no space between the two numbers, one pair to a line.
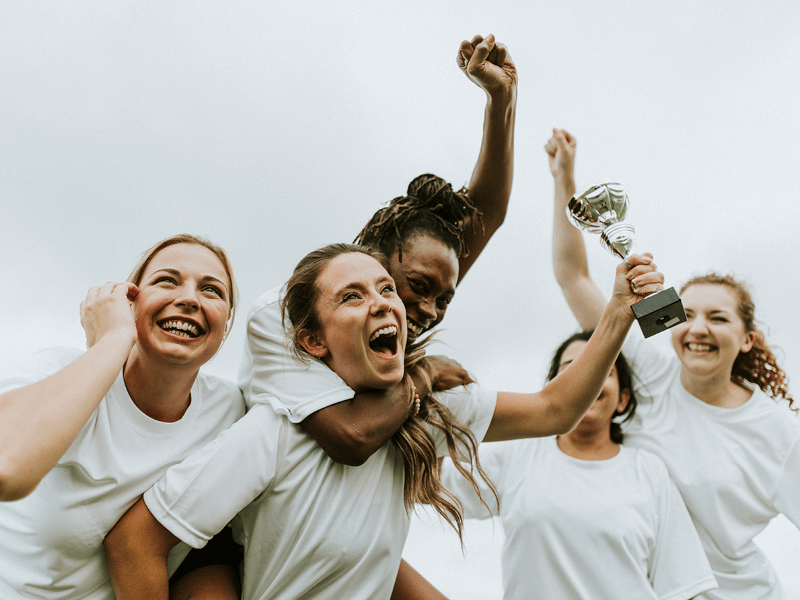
[584,517]
[314,528]
[426,235]
[84,434]
[708,412]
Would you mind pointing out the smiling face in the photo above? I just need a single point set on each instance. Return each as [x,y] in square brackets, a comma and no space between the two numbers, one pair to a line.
[426,281]
[609,403]
[182,306]
[708,343]
[363,332]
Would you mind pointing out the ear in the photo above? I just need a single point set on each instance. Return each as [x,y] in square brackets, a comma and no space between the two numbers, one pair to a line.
[624,398]
[312,344]
[749,340]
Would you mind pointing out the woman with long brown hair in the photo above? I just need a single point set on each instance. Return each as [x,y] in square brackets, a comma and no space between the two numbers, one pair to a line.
[709,411]
[84,434]
[316,528]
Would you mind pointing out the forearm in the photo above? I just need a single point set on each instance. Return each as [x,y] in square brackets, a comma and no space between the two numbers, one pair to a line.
[410,585]
[570,264]
[136,553]
[557,408]
[492,177]
[352,431]
[575,389]
[40,421]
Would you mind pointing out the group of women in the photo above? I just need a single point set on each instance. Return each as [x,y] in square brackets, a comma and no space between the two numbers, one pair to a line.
[116,461]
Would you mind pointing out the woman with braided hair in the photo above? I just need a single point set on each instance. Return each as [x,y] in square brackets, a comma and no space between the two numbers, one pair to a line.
[710,412]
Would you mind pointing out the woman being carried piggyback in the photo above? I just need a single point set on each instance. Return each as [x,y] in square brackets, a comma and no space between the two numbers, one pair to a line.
[708,412]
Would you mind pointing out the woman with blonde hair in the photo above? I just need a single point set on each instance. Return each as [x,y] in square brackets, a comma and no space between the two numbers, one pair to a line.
[709,412]
[85,434]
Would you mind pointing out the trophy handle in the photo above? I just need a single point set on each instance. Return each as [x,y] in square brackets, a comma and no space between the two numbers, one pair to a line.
[618,239]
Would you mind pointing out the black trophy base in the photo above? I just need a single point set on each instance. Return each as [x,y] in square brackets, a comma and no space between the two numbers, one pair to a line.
[658,312]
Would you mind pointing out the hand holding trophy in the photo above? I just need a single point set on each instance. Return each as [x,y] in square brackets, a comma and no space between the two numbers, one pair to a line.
[601,208]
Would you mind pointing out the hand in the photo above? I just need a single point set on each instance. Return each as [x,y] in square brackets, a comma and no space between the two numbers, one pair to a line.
[561,150]
[108,309]
[488,65]
[636,278]
[447,373]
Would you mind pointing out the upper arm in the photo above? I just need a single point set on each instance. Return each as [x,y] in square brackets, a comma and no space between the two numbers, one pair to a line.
[519,416]
[271,374]
[585,300]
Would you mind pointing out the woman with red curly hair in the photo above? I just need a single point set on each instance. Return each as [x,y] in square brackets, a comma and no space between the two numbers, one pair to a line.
[710,412]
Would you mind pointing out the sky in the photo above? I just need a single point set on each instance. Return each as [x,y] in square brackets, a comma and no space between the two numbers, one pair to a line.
[276,128]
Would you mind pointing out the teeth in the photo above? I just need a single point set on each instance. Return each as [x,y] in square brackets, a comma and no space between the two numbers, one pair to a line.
[414,328]
[389,330]
[695,347]
[181,328]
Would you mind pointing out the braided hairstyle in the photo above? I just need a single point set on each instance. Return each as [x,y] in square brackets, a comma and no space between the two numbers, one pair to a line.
[430,207]
[759,365]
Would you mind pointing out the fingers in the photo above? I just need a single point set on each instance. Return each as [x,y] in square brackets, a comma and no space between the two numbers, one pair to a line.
[643,274]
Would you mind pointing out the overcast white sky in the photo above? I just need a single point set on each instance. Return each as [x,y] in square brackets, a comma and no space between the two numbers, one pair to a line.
[275,128]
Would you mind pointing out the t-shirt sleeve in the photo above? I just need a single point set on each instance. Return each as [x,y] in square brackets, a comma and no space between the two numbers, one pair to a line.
[473,406]
[787,495]
[40,365]
[198,497]
[492,462]
[678,567]
[272,374]
[651,369]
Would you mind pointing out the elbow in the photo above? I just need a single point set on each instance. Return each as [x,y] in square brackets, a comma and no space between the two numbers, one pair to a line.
[352,448]
[14,485]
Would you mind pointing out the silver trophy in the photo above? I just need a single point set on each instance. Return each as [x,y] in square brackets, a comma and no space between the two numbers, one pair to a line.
[601,208]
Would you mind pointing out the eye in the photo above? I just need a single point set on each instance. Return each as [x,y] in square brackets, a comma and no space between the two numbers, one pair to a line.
[166,279]
[443,303]
[351,296]
[214,290]
[418,286]
[719,319]
[388,289]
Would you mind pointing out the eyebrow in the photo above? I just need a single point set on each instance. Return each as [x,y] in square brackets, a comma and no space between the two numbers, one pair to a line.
[203,278]
[360,285]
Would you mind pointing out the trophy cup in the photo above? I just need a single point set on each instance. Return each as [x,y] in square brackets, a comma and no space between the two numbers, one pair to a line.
[601,208]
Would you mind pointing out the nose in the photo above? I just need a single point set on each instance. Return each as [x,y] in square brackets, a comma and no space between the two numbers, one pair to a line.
[187,297]
[698,324]
[380,304]
[427,309]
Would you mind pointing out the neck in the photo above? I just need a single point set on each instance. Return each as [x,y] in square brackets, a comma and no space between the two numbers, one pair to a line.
[588,445]
[162,392]
[716,390]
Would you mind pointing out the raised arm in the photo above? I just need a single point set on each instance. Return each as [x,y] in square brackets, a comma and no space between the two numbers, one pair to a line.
[559,407]
[569,253]
[488,64]
[38,422]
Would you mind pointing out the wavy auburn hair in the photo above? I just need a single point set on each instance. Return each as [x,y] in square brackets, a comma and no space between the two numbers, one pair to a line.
[759,365]
[413,442]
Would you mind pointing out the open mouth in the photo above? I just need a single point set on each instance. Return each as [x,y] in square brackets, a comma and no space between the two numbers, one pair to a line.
[414,330]
[384,341]
[698,347]
[180,328]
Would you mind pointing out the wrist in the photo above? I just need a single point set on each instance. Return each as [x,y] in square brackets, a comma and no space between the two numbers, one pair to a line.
[501,102]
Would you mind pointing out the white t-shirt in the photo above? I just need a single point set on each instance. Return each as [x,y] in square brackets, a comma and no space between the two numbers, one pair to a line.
[51,544]
[311,527]
[611,529]
[735,468]
[270,373]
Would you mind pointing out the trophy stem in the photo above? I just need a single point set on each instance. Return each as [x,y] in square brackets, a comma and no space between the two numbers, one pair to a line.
[617,238]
